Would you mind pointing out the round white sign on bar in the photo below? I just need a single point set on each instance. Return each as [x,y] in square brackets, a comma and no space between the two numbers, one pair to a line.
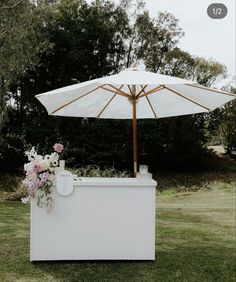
[64,183]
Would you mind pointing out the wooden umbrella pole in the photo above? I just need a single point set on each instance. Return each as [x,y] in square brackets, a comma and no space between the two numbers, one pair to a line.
[135,137]
[135,134]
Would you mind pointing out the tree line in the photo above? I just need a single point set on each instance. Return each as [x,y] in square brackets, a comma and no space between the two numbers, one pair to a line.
[50,43]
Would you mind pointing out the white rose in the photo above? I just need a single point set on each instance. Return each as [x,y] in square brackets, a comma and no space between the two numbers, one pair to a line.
[28,167]
[38,158]
[44,165]
[31,154]
[51,169]
[54,159]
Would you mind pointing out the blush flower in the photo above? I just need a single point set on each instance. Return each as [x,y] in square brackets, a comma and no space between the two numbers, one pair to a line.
[40,175]
[58,148]
[44,165]
[37,167]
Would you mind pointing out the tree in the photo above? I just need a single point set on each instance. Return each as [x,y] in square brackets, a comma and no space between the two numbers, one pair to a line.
[207,71]
[228,127]
[180,141]
[156,37]
[86,41]
[22,39]
[178,63]
[227,124]
[222,124]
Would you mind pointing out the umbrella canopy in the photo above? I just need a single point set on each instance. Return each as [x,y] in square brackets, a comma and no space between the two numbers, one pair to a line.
[133,94]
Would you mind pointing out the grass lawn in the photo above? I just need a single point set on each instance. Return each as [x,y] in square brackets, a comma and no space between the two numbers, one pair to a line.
[195,241]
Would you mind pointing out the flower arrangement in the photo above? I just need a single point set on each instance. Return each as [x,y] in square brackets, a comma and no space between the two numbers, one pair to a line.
[40,174]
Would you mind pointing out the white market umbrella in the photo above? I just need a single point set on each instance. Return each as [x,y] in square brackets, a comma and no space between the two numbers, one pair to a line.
[133,94]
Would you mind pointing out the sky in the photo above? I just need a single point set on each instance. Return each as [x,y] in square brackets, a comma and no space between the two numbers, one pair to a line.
[210,38]
[206,37]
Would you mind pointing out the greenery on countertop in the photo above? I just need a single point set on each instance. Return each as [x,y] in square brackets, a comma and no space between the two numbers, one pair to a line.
[96,171]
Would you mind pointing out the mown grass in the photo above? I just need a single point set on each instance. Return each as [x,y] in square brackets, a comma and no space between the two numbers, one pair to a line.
[195,241]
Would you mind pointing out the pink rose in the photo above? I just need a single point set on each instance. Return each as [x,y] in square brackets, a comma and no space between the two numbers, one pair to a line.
[37,167]
[58,147]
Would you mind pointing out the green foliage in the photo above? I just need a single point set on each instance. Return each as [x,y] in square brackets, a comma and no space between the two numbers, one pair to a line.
[182,64]
[22,40]
[192,182]
[9,182]
[156,38]
[73,41]
[87,41]
[96,171]
[19,192]
[206,72]
[228,127]
[11,152]
[178,63]
[174,143]
[222,125]
[97,141]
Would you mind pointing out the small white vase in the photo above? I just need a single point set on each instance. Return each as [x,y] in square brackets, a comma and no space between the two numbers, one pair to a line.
[62,164]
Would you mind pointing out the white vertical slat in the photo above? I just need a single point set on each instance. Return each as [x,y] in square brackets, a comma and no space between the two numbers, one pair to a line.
[114,221]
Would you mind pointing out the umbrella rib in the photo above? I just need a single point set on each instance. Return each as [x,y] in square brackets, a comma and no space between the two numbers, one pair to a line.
[119,91]
[67,104]
[190,100]
[151,107]
[130,90]
[116,91]
[212,90]
[154,90]
[106,105]
[142,90]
